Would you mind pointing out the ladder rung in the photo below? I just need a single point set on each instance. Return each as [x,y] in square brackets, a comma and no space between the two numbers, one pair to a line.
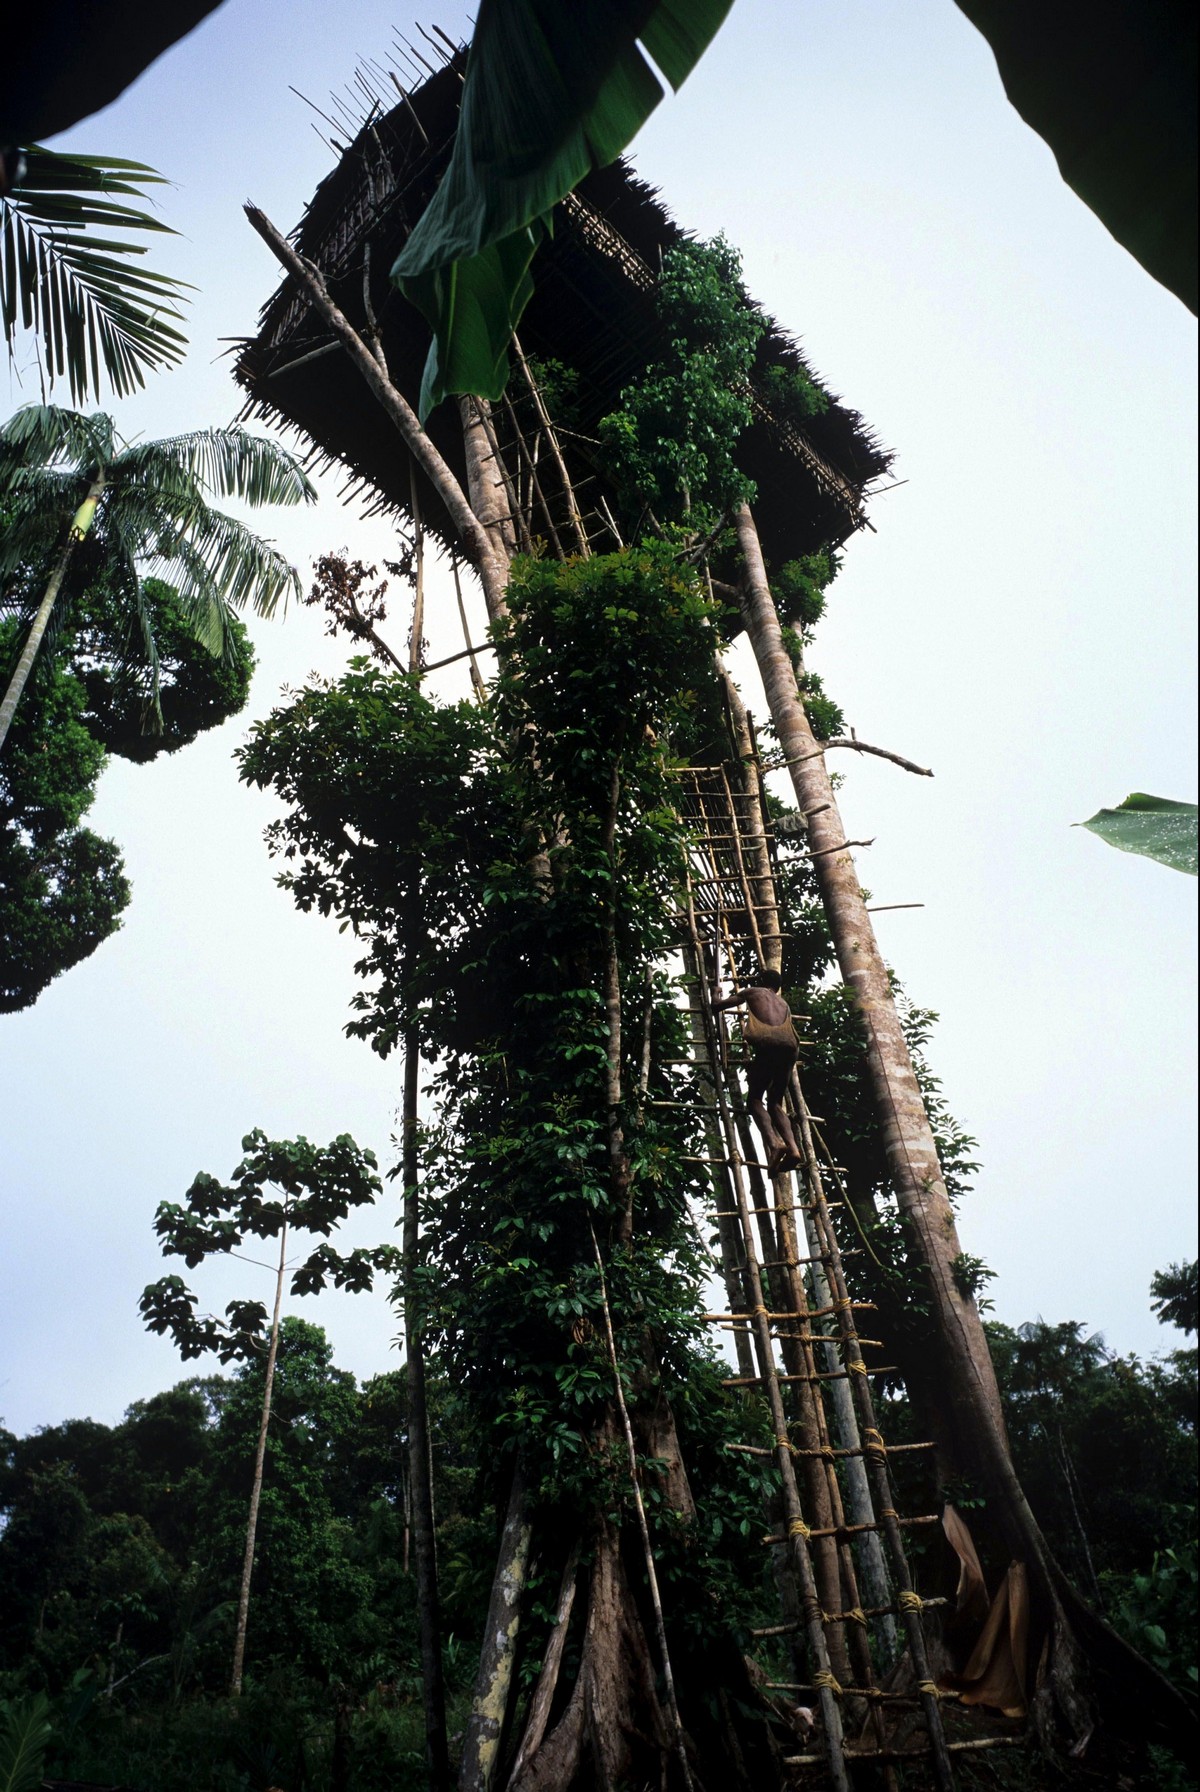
[872,1693]
[808,1337]
[828,1454]
[794,1625]
[739,939]
[815,1313]
[974,1745]
[734,1213]
[853,1530]
[745,1381]
[707,839]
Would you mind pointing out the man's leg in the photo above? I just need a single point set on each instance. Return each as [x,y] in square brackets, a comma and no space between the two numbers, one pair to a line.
[758,1077]
[780,1119]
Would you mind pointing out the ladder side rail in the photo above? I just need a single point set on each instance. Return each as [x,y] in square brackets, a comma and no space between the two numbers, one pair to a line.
[858,1488]
[876,1458]
[796,1528]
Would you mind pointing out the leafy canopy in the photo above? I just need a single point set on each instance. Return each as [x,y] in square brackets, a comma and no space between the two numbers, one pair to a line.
[316,1186]
[63,888]
[152,517]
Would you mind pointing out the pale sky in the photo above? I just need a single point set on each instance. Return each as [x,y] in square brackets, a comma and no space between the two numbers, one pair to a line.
[1022,621]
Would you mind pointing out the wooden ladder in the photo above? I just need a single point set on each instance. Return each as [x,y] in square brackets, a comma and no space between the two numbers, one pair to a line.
[841,1565]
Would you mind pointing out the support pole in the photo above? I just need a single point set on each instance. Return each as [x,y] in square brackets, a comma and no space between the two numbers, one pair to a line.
[420,1477]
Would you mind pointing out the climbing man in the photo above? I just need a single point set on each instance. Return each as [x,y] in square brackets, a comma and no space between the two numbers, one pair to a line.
[767,1030]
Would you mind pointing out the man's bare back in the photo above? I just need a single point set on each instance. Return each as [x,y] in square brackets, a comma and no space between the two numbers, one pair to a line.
[767,1030]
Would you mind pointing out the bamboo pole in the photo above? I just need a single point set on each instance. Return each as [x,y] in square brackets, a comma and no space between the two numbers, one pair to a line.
[555,449]
[420,1477]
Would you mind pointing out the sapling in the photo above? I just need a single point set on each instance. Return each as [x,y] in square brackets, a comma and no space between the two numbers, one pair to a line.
[312,1189]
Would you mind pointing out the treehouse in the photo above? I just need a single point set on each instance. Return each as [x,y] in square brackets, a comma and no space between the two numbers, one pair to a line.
[338,359]
[593,313]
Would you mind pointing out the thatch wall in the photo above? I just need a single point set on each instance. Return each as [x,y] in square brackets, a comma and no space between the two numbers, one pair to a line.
[593,310]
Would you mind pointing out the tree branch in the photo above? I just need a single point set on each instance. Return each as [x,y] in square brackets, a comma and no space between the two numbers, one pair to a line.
[856,746]
[470,530]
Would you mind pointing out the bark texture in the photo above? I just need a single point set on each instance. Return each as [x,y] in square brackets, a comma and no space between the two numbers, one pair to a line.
[481,1747]
[613,1728]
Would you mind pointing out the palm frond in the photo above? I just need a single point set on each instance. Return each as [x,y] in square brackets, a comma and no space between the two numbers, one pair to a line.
[96,311]
[214,560]
[243,567]
[37,509]
[230,463]
[201,600]
[25,1732]
[40,435]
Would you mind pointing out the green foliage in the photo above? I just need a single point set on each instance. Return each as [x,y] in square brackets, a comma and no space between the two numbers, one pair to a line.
[67,275]
[24,1733]
[1174,1295]
[1152,826]
[671,447]
[120,1550]
[152,516]
[826,718]
[971,1277]
[1156,1610]
[548,96]
[62,887]
[793,395]
[799,589]
[196,690]
[1074,1411]
[317,1186]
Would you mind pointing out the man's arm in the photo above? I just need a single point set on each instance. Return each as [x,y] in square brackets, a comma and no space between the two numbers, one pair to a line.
[719,1001]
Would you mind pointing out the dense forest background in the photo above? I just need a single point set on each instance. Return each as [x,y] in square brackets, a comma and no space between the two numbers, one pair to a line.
[122,1545]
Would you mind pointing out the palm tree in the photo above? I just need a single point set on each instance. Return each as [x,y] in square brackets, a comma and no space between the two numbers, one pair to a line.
[66,479]
[70,274]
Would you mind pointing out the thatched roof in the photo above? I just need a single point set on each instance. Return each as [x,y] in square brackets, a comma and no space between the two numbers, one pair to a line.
[593,310]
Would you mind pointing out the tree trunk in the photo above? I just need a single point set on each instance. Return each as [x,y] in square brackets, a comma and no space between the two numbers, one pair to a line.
[476,541]
[481,1748]
[239,1637]
[419,1459]
[80,525]
[489,500]
[908,1138]
[416,637]
[971,1393]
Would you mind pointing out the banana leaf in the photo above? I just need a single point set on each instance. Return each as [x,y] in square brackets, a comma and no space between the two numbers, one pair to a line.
[65,59]
[1112,90]
[551,91]
[1151,825]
